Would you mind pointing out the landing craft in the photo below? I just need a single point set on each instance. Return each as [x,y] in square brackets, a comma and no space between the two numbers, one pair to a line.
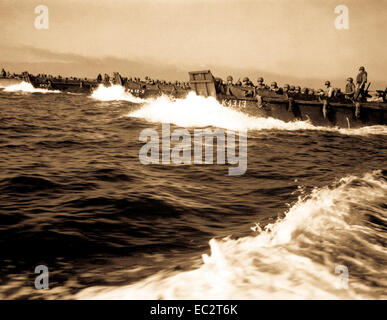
[77,85]
[341,112]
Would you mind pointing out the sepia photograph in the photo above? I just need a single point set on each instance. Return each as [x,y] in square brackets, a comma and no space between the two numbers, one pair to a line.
[193,150]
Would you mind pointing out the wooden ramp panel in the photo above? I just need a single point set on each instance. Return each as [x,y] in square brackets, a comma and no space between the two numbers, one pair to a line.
[202,82]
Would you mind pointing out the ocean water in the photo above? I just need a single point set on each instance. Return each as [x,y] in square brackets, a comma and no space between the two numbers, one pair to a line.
[307,220]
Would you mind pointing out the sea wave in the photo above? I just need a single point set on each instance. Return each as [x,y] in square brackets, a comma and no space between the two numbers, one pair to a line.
[197,111]
[114,93]
[28,88]
[329,245]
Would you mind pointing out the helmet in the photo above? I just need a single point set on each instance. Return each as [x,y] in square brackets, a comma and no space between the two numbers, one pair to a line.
[327,83]
[350,79]
[292,87]
[274,83]
[229,78]
[239,83]
[361,69]
[245,79]
[260,79]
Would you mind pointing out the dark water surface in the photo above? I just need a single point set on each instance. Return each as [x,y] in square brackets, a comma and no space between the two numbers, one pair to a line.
[75,198]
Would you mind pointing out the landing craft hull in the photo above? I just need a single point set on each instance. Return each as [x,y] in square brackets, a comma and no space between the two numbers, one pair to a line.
[151,91]
[137,89]
[339,113]
[73,86]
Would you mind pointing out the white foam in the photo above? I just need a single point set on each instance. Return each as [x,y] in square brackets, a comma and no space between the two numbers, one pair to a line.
[28,88]
[294,258]
[114,93]
[197,111]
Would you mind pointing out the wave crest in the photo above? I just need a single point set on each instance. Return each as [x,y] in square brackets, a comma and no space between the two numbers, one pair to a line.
[197,111]
[296,257]
[28,88]
[114,93]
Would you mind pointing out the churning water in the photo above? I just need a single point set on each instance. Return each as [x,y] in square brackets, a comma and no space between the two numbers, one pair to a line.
[75,198]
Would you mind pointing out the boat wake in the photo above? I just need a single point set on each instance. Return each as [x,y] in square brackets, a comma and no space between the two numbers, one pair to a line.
[197,111]
[329,245]
[114,93]
[28,88]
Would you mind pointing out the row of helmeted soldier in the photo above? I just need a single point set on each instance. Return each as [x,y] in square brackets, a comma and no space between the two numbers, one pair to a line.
[147,81]
[353,91]
[42,76]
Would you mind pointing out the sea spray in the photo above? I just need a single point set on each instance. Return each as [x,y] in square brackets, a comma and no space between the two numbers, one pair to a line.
[198,111]
[297,257]
[114,93]
[28,88]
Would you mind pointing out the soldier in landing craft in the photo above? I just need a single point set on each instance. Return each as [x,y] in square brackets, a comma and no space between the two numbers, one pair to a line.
[248,87]
[274,87]
[325,96]
[329,91]
[361,81]
[221,86]
[228,85]
[260,84]
[246,82]
[350,88]
[106,79]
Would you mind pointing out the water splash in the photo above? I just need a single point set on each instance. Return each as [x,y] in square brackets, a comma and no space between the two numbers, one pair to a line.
[28,88]
[294,258]
[7,82]
[114,93]
[197,111]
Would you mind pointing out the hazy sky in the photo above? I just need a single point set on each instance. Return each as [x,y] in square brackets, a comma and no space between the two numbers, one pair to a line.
[291,38]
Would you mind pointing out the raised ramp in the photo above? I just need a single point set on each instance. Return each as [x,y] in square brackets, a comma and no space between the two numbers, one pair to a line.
[202,82]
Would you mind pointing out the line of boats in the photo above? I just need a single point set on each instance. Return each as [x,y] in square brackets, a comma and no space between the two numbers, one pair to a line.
[337,110]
